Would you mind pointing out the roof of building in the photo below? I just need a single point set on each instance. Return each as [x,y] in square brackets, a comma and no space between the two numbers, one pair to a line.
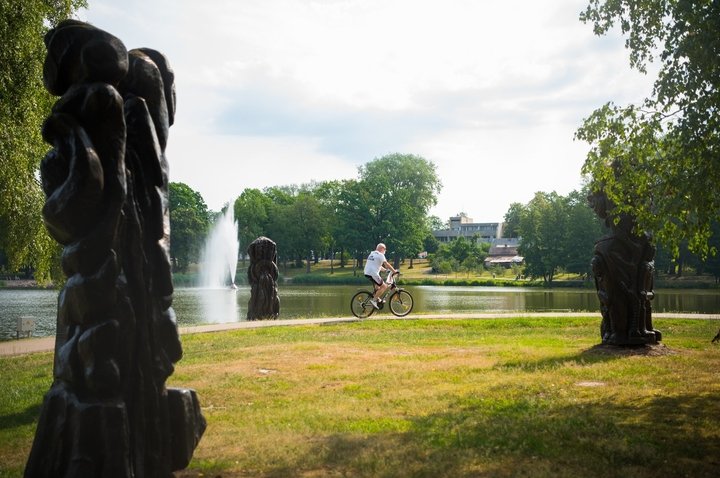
[504,259]
[503,250]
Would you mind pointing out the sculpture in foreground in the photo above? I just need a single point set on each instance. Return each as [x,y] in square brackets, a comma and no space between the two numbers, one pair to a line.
[623,269]
[108,412]
[262,275]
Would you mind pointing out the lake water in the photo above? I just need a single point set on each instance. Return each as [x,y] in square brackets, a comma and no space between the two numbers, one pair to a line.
[200,306]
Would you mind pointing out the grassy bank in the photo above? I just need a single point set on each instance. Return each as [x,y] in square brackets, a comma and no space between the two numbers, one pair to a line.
[421,274]
[505,397]
[323,273]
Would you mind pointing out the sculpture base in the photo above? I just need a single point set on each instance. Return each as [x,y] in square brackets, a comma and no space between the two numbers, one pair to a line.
[76,438]
[187,425]
[649,337]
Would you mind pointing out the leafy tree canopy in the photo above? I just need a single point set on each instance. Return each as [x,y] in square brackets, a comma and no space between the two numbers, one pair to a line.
[402,188]
[24,105]
[459,254]
[659,160]
[189,223]
[543,224]
[512,220]
[558,232]
[252,213]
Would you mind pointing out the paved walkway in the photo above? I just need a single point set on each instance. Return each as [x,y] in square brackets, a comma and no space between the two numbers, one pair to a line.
[47,344]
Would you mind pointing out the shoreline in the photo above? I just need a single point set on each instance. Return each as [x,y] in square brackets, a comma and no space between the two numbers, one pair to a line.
[15,284]
[672,283]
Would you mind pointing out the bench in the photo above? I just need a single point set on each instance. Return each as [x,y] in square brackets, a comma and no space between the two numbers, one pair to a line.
[25,326]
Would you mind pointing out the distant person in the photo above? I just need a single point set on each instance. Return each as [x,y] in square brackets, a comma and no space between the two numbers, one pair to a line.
[376,263]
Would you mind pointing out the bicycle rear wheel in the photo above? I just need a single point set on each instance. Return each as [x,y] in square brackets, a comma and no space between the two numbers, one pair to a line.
[401,303]
[360,305]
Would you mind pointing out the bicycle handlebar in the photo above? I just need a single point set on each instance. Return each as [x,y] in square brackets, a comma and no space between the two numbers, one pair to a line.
[391,275]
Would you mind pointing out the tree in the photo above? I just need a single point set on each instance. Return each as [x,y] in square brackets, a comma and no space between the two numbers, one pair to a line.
[512,220]
[430,243]
[310,226]
[189,224]
[354,217]
[297,222]
[282,195]
[459,254]
[252,213]
[436,224]
[659,161]
[24,105]
[557,232]
[712,265]
[583,229]
[543,224]
[402,188]
[329,194]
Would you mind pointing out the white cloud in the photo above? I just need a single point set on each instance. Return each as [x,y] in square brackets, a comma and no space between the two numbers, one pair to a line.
[274,92]
[222,166]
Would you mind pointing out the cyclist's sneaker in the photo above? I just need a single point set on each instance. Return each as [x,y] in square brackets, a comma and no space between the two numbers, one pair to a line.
[374,303]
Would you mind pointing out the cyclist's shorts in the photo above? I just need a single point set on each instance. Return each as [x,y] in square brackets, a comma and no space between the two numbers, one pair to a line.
[376,279]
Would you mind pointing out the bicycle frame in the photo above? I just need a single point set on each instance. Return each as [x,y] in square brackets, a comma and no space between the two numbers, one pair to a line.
[392,285]
[396,296]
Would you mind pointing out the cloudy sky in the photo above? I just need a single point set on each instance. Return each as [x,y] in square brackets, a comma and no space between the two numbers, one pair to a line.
[278,92]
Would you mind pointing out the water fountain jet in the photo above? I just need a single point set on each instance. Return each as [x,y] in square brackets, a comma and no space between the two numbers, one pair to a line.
[220,254]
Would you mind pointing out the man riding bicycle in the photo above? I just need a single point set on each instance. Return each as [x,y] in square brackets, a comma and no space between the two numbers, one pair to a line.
[375,264]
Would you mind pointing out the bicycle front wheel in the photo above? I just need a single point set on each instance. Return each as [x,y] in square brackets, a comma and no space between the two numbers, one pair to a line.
[361,306]
[401,303]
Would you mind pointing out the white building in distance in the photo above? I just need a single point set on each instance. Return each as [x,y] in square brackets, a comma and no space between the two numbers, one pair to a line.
[503,250]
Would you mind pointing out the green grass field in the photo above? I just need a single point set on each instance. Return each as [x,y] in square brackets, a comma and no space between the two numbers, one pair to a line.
[530,397]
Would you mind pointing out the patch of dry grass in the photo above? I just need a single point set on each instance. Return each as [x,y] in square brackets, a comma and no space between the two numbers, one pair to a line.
[457,398]
[504,397]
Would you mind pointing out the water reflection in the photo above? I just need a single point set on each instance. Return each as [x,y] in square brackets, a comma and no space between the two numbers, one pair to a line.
[210,306]
[468,299]
[198,306]
[41,305]
[506,299]
[220,305]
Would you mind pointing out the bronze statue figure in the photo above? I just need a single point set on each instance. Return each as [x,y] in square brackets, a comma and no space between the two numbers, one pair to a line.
[108,412]
[623,269]
[262,275]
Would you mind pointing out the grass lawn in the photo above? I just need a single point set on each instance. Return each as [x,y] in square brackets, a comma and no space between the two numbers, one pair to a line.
[529,397]
[420,270]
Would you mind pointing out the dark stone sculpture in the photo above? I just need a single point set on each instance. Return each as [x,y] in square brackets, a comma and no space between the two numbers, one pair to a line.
[623,269]
[108,412]
[262,275]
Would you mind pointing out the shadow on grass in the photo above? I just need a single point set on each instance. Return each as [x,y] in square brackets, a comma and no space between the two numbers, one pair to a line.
[595,354]
[667,436]
[603,439]
[25,417]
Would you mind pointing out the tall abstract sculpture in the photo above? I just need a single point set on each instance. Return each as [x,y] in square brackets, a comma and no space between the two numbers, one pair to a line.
[623,269]
[262,275]
[108,412]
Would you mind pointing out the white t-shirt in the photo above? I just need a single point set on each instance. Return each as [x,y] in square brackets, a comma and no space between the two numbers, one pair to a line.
[373,264]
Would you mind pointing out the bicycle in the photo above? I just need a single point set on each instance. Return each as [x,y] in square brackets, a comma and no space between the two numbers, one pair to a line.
[399,299]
